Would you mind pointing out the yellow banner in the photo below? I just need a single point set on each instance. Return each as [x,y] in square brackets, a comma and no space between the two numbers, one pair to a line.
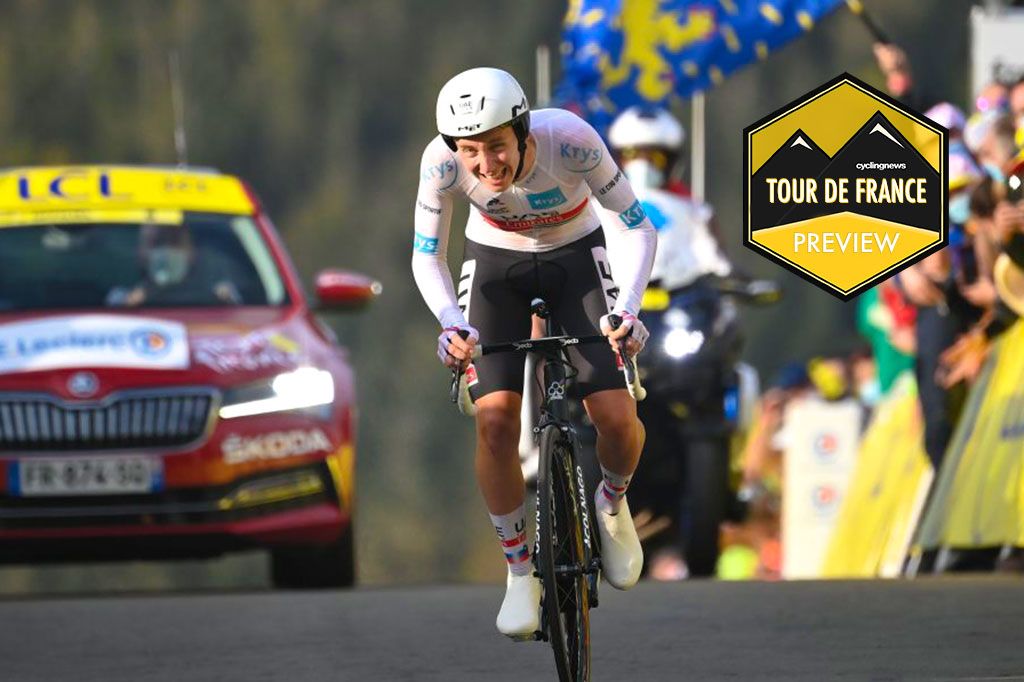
[888,489]
[105,188]
[984,504]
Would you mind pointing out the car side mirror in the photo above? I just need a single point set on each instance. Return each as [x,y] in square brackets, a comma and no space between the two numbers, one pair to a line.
[345,290]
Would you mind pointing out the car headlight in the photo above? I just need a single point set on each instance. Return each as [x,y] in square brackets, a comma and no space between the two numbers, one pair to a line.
[302,388]
[681,342]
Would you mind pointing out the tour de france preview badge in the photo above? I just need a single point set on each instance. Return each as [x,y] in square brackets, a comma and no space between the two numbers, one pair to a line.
[845,186]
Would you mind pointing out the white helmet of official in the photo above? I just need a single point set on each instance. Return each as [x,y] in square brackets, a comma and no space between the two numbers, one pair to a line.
[479,100]
[646,127]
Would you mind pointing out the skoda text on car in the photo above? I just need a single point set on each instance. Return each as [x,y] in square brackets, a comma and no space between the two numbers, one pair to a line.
[165,389]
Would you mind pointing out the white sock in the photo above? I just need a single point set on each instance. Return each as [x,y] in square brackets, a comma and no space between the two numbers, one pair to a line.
[511,529]
[611,491]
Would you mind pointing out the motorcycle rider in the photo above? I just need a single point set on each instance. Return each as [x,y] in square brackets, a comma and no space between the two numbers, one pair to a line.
[647,143]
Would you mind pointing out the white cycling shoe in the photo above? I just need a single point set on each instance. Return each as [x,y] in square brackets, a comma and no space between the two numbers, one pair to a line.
[519,616]
[622,557]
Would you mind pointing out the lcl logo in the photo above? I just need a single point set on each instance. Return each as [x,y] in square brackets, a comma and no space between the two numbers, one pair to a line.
[71,185]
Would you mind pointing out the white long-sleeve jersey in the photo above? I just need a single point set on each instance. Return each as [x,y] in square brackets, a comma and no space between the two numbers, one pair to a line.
[549,207]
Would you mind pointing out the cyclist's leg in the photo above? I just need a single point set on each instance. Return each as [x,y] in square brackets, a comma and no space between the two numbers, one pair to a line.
[498,472]
[588,293]
[501,313]
[620,433]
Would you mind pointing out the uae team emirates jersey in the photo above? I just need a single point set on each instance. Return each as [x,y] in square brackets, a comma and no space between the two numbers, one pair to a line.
[573,188]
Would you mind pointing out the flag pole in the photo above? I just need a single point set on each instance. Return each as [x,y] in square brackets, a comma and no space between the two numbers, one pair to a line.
[861,12]
[543,76]
[697,111]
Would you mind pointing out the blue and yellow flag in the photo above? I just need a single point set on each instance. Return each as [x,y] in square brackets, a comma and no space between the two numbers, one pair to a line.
[618,53]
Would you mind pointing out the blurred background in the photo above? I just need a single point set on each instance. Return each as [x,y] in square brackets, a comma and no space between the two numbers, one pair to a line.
[325,107]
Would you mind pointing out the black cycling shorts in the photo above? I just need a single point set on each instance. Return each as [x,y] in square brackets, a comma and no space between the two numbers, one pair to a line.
[495,290]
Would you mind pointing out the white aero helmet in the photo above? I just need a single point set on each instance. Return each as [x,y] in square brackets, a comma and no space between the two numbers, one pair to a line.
[646,127]
[479,100]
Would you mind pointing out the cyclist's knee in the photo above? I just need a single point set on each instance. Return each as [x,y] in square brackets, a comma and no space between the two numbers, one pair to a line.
[614,415]
[618,428]
[497,422]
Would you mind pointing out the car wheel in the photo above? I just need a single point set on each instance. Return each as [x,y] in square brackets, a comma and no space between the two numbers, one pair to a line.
[314,566]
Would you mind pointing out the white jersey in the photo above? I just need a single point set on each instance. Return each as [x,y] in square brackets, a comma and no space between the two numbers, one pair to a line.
[686,248]
[551,206]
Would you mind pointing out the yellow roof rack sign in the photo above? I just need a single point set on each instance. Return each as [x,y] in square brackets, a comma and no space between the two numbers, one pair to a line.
[102,190]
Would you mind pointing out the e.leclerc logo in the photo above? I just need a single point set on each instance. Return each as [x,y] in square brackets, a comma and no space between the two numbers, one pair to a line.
[150,343]
[845,186]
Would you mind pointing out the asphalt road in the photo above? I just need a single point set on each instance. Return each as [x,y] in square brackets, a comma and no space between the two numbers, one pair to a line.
[932,629]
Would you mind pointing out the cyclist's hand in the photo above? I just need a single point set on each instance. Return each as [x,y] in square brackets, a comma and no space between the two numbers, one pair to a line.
[632,331]
[452,349]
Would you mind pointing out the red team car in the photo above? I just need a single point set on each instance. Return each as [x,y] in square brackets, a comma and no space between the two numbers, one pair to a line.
[165,389]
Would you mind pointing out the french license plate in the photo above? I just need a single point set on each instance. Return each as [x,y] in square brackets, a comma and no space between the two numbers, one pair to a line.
[87,475]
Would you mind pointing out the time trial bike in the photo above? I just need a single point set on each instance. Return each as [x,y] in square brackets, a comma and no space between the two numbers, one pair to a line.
[567,558]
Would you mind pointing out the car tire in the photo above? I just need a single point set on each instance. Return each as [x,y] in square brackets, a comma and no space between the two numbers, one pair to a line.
[314,566]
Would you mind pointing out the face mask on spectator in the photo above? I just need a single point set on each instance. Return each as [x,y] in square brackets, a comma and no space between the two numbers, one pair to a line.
[167,265]
[870,392]
[643,173]
[994,171]
[960,209]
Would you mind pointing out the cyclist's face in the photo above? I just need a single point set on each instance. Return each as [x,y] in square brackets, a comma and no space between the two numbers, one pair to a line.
[492,157]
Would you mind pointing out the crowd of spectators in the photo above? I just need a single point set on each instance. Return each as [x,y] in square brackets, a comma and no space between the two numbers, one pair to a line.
[937,318]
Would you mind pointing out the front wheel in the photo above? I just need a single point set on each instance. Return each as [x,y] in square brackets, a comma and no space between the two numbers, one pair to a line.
[562,556]
[704,504]
[315,566]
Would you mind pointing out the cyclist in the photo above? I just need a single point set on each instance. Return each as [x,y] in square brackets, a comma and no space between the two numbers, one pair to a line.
[529,178]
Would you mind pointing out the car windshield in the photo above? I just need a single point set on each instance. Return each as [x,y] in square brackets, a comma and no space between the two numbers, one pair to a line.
[203,260]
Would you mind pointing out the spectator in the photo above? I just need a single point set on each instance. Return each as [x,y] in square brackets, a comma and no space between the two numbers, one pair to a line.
[899,79]
[943,313]
[761,458]
[1016,103]
[996,147]
[993,97]
[1008,229]
[886,319]
[171,275]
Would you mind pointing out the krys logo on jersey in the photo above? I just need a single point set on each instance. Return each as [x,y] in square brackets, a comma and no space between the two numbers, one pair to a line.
[845,186]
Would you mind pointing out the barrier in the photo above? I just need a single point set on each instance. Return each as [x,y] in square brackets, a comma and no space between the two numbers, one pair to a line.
[977,501]
[820,440]
[885,496]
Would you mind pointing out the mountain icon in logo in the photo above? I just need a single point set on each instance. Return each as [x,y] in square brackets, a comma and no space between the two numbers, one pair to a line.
[798,157]
[878,153]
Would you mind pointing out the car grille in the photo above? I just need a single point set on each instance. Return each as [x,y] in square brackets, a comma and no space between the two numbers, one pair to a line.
[126,420]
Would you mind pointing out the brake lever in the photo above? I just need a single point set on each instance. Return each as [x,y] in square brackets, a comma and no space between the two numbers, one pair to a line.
[457,372]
